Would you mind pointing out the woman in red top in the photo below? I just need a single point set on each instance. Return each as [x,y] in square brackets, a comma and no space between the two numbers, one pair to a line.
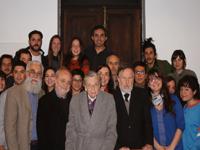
[75,59]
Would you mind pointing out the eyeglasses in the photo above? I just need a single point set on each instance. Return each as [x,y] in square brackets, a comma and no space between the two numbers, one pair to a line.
[32,72]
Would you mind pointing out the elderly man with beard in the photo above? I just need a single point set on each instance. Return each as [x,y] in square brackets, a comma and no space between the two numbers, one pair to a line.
[53,110]
[21,110]
[134,126]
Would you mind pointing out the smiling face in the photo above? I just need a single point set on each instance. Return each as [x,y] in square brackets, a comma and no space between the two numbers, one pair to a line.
[76,47]
[155,83]
[187,93]
[92,86]
[56,46]
[19,74]
[63,82]
[104,76]
[140,75]
[99,38]
[49,78]
[33,80]
[25,57]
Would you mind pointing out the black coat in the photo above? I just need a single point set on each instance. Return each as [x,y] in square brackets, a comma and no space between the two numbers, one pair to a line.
[52,116]
[134,130]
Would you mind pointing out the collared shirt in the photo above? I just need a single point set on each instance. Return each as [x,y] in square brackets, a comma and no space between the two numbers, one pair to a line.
[126,103]
[91,104]
[38,58]
[123,93]
[33,98]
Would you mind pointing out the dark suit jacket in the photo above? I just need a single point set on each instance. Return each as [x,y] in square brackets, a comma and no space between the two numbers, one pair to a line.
[134,130]
[52,116]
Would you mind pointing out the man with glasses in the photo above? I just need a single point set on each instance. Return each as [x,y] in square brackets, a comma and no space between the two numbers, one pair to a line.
[21,110]
[140,74]
[52,115]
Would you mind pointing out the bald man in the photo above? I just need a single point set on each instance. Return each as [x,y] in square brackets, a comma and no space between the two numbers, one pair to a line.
[113,61]
[53,110]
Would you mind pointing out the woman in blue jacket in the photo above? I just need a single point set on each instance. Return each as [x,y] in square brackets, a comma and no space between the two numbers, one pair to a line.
[167,115]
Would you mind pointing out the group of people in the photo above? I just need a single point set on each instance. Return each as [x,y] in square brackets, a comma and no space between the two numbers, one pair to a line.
[89,100]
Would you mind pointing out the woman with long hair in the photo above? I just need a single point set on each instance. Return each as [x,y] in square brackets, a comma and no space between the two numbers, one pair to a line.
[49,80]
[55,55]
[166,113]
[105,75]
[75,59]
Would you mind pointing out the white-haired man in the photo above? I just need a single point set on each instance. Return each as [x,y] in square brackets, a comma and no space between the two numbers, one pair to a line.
[92,118]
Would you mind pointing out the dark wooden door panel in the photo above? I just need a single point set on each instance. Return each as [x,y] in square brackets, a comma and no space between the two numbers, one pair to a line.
[79,22]
[124,34]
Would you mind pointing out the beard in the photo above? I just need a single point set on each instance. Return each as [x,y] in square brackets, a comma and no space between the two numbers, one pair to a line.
[126,89]
[61,92]
[35,47]
[33,87]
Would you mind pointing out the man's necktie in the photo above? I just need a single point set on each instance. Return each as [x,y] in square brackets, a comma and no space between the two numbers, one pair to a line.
[126,95]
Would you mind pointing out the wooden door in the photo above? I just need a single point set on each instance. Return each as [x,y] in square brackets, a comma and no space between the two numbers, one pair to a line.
[78,22]
[123,25]
[125,33]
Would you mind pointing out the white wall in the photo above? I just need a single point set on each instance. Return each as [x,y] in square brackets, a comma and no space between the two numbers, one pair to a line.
[174,24]
[19,17]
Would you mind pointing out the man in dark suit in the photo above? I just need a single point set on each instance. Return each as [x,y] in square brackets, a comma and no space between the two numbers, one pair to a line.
[52,115]
[134,126]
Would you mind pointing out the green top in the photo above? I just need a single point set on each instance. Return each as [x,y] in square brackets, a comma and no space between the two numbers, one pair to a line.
[161,66]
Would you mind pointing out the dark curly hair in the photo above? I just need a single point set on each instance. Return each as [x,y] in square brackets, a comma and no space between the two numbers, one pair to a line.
[168,103]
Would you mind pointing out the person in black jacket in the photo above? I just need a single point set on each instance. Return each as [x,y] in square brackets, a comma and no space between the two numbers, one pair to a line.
[98,51]
[134,127]
[52,114]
